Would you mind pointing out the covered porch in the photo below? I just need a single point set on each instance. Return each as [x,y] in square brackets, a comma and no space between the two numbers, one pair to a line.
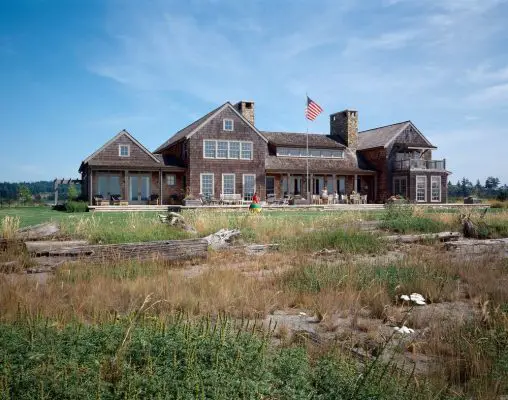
[341,187]
[104,186]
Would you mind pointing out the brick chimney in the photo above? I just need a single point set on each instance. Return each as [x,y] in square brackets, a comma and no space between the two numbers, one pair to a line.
[246,108]
[344,125]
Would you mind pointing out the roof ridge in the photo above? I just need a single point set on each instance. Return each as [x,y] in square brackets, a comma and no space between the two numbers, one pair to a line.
[296,133]
[163,145]
[385,126]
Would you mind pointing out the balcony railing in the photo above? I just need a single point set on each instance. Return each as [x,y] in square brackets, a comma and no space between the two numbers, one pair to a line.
[419,164]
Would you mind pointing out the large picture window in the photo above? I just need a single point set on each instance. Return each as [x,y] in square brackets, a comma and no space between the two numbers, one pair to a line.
[421,188]
[435,188]
[228,149]
[228,183]
[207,184]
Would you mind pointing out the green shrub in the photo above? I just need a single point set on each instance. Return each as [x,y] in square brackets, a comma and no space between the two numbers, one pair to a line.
[208,359]
[76,206]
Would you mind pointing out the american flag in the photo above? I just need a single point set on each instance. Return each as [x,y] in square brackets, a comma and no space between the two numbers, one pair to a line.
[313,109]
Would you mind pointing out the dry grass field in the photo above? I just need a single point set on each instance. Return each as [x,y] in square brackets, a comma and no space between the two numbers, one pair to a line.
[323,307]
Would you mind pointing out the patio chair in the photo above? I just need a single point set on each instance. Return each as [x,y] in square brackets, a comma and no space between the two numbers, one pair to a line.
[363,199]
[117,200]
[316,199]
[154,199]
[99,200]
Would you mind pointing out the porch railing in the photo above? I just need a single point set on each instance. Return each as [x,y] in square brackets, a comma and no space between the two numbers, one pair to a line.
[419,164]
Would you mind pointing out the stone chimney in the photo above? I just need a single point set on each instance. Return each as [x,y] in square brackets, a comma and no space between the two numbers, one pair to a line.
[246,108]
[344,124]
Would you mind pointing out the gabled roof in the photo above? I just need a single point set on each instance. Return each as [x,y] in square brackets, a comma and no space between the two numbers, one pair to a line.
[191,129]
[296,139]
[385,135]
[121,133]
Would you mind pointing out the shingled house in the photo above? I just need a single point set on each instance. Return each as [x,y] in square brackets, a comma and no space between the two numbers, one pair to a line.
[224,153]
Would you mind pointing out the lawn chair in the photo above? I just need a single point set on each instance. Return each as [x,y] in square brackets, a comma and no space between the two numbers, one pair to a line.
[154,199]
[117,200]
[99,200]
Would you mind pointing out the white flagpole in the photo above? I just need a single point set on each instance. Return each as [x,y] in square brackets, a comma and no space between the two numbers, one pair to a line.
[307,146]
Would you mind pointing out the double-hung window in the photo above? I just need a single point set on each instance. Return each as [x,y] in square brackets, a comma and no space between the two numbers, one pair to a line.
[222,149]
[246,151]
[228,183]
[421,189]
[234,149]
[207,184]
[209,148]
[435,188]
[228,124]
[124,150]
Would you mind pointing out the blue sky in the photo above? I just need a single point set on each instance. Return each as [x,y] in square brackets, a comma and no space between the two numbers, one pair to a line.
[74,73]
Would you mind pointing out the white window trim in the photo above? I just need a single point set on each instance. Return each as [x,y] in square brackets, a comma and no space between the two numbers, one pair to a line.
[120,150]
[201,182]
[243,184]
[204,149]
[438,178]
[234,182]
[168,176]
[251,151]
[400,178]
[229,144]
[424,188]
[217,150]
[341,157]
[232,124]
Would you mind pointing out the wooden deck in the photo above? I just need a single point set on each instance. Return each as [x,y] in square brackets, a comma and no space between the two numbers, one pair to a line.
[324,207]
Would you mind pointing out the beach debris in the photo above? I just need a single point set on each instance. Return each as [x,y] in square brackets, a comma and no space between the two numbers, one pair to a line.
[403,330]
[416,298]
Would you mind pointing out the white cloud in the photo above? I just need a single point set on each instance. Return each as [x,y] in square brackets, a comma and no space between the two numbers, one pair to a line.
[492,95]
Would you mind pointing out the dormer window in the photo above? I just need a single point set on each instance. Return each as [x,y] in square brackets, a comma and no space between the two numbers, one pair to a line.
[124,150]
[228,124]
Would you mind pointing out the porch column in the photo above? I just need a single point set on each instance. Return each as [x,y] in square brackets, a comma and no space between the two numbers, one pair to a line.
[355,183]
[126,185]
[334,177]
[289,183]
[375,189]
[90,182]
[160,186]
[311,188]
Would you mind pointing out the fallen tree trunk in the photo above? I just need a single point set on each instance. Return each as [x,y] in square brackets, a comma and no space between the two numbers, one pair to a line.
[37,232]
[12,245]
[48,245]
[163,249]
[442,236]
[497,247]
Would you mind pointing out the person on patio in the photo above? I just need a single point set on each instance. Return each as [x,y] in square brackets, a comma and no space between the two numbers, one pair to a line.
[255,206]
[324,195]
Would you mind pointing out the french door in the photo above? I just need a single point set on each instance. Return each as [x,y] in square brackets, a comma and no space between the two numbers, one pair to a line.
[139,189]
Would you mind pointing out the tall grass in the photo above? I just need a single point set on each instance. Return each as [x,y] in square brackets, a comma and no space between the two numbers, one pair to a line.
[9,226]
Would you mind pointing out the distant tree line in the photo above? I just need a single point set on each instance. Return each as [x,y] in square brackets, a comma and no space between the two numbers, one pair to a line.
[26,192]
[491,189]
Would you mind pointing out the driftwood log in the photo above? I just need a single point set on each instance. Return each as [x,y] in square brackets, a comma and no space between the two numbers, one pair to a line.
[37,232]
[163,250]
[495,247]
[42,246]
[222,238]
[442,236]
[12,245]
